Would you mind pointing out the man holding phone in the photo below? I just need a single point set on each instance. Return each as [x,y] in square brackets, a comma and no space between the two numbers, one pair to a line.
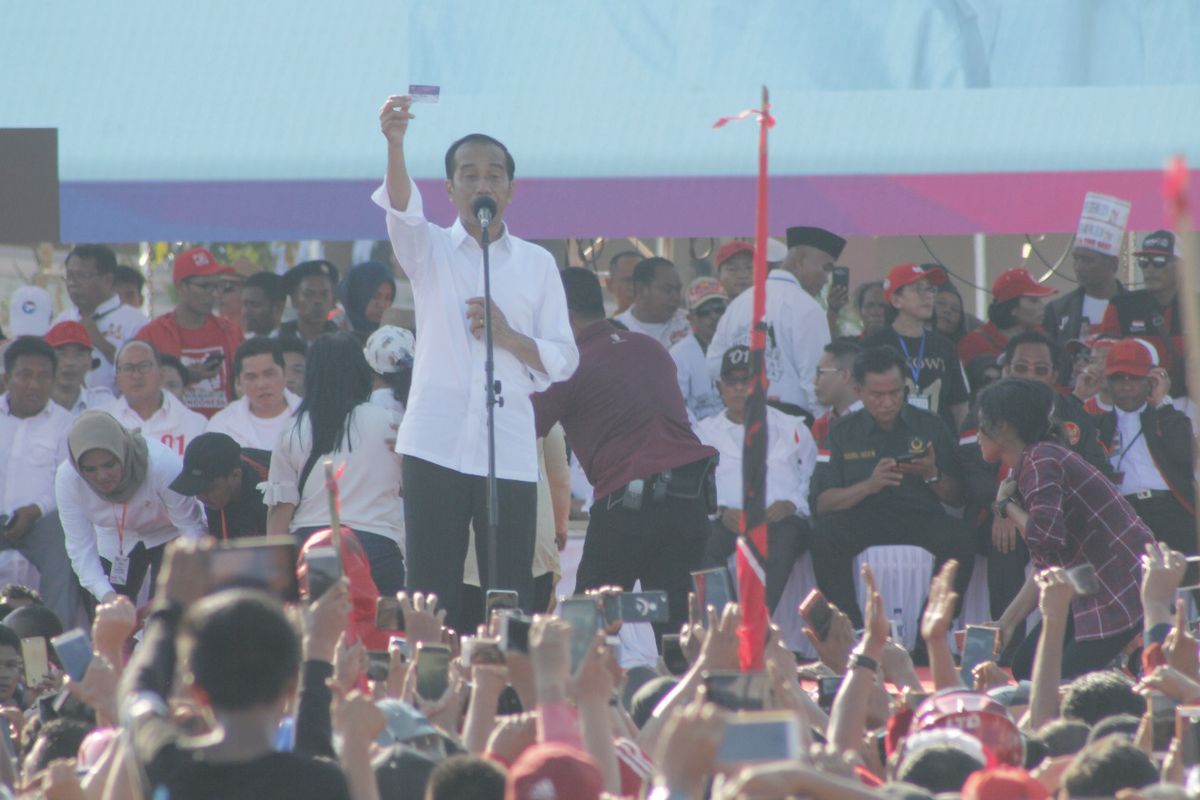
[204,342]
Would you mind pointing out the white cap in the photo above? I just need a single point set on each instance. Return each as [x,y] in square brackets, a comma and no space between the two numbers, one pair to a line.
[390,349]
[29,311]
[776,251]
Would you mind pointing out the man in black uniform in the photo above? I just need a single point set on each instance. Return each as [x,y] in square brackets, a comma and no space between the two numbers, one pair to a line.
[1153,313]
[1033,356]
[225,477]
[882,479]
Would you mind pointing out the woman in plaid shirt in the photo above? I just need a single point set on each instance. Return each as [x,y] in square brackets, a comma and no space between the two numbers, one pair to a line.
[1070,516]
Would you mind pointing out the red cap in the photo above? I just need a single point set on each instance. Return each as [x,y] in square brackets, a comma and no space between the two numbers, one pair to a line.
[1003,783]
[902,275]
[731,249]
[1132,357]
[198,262]
[1018,283]
[977,715]
[68,333]
[554,771]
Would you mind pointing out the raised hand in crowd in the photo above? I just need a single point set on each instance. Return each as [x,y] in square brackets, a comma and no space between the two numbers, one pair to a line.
[1180,646]
[98,689]
[1162,572]
[115,622]
[423,620]
[1055,594]
[935,627]
[359,722]
[834,650]
[511,736]
[687,751]
[349,665]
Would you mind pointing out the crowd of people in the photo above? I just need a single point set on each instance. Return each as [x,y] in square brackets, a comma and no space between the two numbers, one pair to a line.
[1054,439]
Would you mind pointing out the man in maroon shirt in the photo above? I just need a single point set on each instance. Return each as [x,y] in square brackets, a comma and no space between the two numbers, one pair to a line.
[652,477]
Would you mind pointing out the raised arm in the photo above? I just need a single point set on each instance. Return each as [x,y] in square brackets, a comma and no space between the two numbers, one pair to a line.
[393,122]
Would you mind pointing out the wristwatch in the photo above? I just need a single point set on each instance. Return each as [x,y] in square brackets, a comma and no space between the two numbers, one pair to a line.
[1002,506]
[860,661]
[937,476]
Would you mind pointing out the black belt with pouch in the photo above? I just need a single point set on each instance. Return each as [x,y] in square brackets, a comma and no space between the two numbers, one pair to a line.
[687,482]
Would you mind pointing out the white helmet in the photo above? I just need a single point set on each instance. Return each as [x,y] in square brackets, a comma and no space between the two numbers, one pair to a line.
[390,349]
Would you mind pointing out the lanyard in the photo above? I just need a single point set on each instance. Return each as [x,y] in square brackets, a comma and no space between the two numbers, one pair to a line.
[915,370]
[120,527]
[1121,455]
[224,527]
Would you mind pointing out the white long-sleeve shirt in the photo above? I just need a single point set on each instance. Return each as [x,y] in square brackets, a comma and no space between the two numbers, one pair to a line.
[791,458]
[236,421]
[119,323]
[96,528]
[30,451]
[796,336]
[695,383]
[446,418]
[369,487]
[173,425]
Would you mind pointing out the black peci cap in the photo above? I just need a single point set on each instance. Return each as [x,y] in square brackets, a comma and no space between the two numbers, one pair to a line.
[308,269]
[208,457]
[816,237]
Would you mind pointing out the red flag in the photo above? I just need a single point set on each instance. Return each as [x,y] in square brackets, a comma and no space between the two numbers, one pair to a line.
[752,543]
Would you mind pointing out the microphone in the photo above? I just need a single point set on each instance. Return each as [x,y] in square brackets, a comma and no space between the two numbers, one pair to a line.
[485,209]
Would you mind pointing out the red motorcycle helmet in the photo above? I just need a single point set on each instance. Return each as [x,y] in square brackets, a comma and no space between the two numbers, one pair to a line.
[977,715]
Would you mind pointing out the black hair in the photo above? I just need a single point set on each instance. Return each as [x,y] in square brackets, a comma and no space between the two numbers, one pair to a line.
[465,777]
[258,346]
[874,360]
[168,360]
[402,773]
[32,346]
[646,269]
[292,344]
[99,254]
[938,768]
[19,591]
[400,382]
[1116,725]
[1063,737]
[612,262]
[1003,314]
[1105,767]
[582,288]
[860,294]
[32,621]
[478,138]
[10,637]
[1034,337]
[961,329]
[270,284]
[1026,406]
[843,349]
[1095,695]
[63,737]
[647,698]
[337,379]
[127,274]
[240,648]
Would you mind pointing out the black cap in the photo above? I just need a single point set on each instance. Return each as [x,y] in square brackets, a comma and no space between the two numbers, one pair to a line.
[816,237]
[1159,243]
[736,359]
[208,457]
[308,269]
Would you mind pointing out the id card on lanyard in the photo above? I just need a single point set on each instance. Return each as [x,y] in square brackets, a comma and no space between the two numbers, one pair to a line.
[118,575]
[915,398]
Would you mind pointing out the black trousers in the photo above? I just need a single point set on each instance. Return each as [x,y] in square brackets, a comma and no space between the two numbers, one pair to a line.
[142,559]
[1006,576]
[439,507]
[786,541]
[837,538]
[660,545]
[1078,657]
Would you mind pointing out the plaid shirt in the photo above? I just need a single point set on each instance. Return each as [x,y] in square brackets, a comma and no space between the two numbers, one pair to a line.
[1076,516]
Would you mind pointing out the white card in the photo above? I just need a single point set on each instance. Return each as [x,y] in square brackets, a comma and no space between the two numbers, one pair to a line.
[119,574]
[424,93]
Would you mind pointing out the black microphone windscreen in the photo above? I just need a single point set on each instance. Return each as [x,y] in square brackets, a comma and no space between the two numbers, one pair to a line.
[481,203]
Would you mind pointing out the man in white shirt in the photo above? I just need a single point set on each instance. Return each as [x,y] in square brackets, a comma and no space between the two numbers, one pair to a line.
[90,271]
[444,433]
[256,419]
[797,329]
[73,347]
[33,441]
[657,301]
[706,303]
[145,404]
[791,459]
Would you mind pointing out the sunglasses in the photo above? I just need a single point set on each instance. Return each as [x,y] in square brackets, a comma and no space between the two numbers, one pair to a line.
[1159,262]
[709,310]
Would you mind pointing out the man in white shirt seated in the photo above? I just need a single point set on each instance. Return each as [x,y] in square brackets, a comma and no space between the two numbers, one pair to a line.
[90,272]
[791,459]
[145,404]
[706,303]
[265,407]
[33,442]
[73,347]
[657,301]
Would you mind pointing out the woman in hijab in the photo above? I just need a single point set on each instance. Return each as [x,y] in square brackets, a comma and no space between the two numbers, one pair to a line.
[117,507]
[367,292]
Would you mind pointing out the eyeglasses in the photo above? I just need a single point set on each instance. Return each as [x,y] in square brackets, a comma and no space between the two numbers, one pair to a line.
[1159,262]
[209,287]
[140,368]
[709,310]
[1041,370]
[229,287]
[827,371]
[75,276]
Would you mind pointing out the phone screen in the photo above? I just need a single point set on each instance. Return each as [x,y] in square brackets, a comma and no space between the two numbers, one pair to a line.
[817,613]
[388,614]
[264,562]
[643,606]
[765,736]
[840,277]
[827,689]
[433,670]
[74,651]
[379,664]
[514,633]
[584,617]
[323,570]
[673,656]
[980,646]
[501,599]
[37,661]
[713,588]
[737,691]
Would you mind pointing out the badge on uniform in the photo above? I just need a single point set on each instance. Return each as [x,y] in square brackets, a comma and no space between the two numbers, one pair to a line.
[119,574]
[919,401]
[1072,432]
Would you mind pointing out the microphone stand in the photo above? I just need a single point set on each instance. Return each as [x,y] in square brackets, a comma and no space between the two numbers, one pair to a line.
[493,399]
